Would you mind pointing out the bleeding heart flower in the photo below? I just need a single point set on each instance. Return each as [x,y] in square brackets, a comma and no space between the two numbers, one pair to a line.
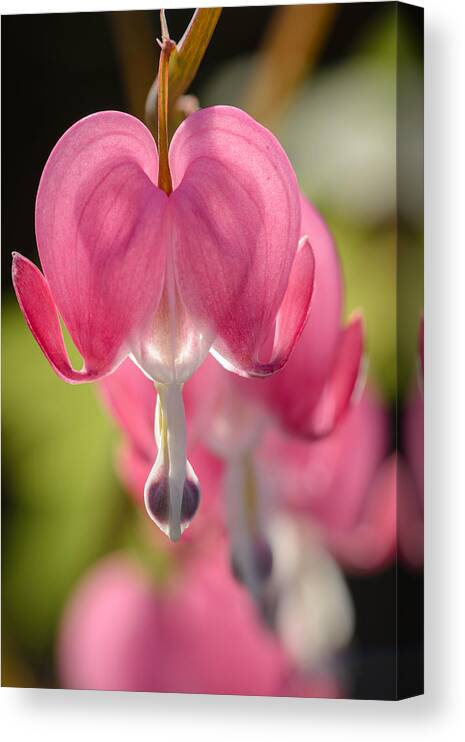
[206,258]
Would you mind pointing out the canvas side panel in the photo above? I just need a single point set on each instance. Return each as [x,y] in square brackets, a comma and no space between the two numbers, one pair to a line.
[410,367]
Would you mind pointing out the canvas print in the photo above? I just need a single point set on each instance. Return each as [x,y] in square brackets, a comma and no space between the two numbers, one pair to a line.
[212,356]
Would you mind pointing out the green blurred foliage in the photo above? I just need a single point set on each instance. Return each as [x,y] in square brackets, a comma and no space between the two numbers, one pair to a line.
[369,267]
[61,503]
[391,308]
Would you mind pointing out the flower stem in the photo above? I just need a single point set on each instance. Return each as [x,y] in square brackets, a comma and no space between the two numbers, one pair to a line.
[184,63]
[245,522]
[167,47]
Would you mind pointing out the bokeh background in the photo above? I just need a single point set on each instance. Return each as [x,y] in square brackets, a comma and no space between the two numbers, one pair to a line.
[326,85]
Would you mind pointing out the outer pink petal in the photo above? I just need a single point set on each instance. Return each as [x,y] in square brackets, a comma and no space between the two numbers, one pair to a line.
[99,226]
[314,355]
[131,398]
[236,217]
[291,318]
[292,394]
[40,312]
[355,452]
[342,483]
[339,388]
[371,543]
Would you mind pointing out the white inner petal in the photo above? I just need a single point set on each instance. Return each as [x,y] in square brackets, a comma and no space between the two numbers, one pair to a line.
[172,345]
[171,468]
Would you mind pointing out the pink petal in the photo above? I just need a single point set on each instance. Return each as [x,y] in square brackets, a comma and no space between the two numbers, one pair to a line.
[342,483]
[411,481]
[131,397]
[100,233]
[338,390]
[410,526]
[292,394]
[371,543]
[352,456]
[236,217]
[413,435]
[292,314]
[314,355]
[40,312]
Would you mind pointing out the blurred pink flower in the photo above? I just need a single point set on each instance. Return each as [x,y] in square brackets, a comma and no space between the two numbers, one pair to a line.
[345,484]
[197,634]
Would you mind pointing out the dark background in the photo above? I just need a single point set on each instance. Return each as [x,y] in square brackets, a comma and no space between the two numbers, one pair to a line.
[57,68]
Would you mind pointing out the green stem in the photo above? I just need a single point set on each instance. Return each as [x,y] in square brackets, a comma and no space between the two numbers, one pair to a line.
[184,64]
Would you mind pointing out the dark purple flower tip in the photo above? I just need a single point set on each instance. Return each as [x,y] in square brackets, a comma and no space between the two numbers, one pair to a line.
[259,565]
[268,608]
[157,502]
